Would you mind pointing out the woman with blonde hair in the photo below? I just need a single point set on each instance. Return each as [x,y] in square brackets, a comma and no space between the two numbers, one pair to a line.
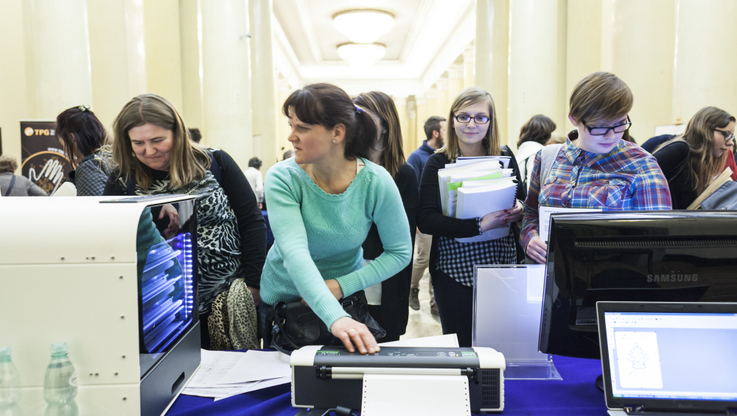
[692,161]
[472,131]
[596,167]
[155,155]
[388,301]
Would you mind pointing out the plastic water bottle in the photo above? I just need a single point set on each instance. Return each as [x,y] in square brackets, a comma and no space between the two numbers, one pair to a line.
[60,383]
[10,390]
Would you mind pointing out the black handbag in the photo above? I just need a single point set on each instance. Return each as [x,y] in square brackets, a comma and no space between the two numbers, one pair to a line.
[296,325]
[724,197]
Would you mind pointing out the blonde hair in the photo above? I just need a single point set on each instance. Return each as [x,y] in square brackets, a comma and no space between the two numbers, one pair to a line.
[188,161]
[699,135]
[467,97]
[392,158]
[601,97]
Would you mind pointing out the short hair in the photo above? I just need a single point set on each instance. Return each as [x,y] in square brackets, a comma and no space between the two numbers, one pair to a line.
[288,154]
[432,124]
[467,97]
[254,162]
[601,97]
[8,164]
[188,160]
[195,135]
[537,129]
[79,129]
[383,106]
[699,135]
[327,105]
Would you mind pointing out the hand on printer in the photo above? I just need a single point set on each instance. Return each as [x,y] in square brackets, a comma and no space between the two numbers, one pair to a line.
[353,332]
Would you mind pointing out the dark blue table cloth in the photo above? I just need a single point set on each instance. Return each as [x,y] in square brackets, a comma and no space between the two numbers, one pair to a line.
[575,395]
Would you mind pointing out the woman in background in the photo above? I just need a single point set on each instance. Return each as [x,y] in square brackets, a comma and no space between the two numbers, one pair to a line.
[322,203]
[597,167]
[472,131]
[532,137]
[85,137]
[156,156]
[692,161]
[388,301]
[15,185]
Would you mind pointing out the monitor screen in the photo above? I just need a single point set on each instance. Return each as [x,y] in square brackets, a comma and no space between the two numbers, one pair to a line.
[665,256]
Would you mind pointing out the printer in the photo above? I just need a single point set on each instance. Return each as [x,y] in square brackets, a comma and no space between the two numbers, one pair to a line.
[325,377]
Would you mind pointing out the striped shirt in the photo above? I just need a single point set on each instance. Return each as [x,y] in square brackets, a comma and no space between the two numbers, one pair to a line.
[626,178]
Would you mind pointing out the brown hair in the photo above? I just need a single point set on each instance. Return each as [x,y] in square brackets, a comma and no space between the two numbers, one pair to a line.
[601,97]
[536,129]
[79,129]
[699,135]
[433,124]
[392,158]
[188,161]
[327,105]
[8,164]
[467,97]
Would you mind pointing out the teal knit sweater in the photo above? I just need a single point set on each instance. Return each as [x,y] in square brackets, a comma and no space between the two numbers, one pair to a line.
[318,236]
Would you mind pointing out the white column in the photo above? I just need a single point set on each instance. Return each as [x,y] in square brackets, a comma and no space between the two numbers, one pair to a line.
[262,64]
[704,73]
[117,55]
[421,104]
[491,58]
[163,49]
[455,82]
[443,104]
[14,104]
[227,78]
[190,28]
[60,56]
[431,107]
[281,120]
[401,104]
[469,63]
[533,64]
[410,136]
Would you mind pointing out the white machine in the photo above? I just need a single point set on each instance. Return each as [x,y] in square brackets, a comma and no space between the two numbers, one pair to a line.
[398,380]
[107,279]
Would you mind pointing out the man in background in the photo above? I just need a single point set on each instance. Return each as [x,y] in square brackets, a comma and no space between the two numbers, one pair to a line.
[256,179]
[435,132]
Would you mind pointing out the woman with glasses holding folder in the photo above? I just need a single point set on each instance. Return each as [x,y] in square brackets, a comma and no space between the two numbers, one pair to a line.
[597,167]
[472,132]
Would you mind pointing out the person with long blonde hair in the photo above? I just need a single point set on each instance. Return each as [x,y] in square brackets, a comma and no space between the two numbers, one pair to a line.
[388,301]
[472,131]
[155,155]
[692,161]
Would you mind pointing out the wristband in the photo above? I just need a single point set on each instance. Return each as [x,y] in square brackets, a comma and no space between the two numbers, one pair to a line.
[478,223]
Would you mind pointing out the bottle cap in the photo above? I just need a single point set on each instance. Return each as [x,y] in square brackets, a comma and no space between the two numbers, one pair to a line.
[5,352]
[59,347]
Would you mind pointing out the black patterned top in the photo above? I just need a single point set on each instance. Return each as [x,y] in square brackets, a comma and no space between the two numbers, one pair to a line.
[231,233]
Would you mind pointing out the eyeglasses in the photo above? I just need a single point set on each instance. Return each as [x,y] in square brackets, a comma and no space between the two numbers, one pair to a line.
[465,119]
[728,136]
[603,130]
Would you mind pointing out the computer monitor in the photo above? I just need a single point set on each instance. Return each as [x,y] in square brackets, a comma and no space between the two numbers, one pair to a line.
[664,256]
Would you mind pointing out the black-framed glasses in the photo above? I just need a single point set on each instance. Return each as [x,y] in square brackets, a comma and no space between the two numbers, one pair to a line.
[465,119]
[728,135]
[603,130]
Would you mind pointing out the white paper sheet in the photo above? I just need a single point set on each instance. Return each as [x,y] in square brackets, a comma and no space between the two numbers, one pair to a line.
[546,212]
[439,341]
[258,365]
[412,395]
[213,366]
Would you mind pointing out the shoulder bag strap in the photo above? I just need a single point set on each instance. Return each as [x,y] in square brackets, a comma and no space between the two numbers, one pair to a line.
[10,187]
[547,158]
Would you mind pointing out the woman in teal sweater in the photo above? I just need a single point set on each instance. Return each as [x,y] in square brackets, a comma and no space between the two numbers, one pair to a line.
[321,205]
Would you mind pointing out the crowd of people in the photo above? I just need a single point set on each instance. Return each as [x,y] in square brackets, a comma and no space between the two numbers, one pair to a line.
[348,211]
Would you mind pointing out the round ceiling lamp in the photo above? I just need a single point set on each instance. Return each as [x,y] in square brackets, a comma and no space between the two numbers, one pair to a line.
[364,25]
[361,54]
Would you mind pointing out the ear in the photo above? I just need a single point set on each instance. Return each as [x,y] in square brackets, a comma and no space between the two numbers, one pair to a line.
[573,120]
[435,134]
[338,133]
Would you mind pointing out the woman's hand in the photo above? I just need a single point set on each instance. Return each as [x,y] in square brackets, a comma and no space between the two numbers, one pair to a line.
[169,211]
[352,332]
[537,250]
[503,218]
[515,213]
[335,288]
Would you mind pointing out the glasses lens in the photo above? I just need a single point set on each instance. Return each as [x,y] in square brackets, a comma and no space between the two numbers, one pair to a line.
[621,128]
[481,119]
[598,131]
[463,118]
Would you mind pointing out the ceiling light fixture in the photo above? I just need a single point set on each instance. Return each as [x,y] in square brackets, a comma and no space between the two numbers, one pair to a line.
[361,54]
[363,26]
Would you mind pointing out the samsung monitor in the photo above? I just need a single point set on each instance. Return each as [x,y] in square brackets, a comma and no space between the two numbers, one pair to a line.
[663,256]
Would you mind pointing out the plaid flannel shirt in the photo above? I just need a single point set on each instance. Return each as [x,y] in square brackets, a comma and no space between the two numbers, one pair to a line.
[626,178]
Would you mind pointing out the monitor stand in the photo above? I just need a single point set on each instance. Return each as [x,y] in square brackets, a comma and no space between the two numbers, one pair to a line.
[600,383]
